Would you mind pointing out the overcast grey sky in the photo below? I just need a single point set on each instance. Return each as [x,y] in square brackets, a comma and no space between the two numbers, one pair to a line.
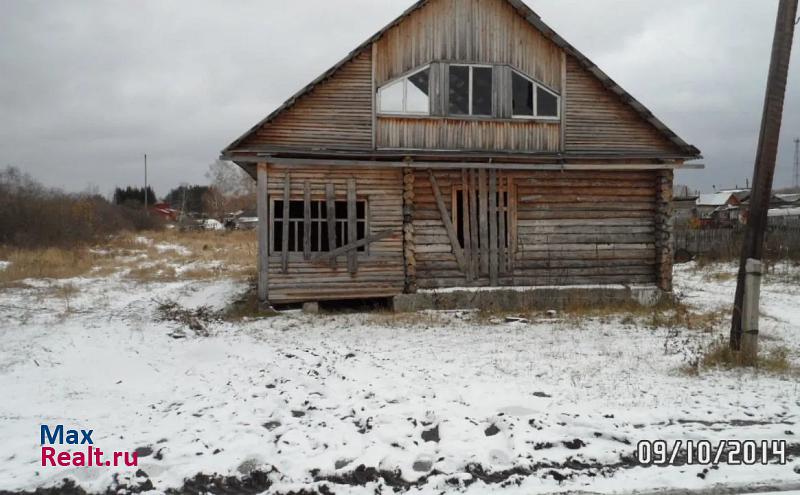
[87,87]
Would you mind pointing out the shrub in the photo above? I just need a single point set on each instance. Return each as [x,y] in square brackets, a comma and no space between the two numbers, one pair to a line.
[32,216]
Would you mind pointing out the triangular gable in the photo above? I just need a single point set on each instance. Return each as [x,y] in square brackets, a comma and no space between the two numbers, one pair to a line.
[362,52]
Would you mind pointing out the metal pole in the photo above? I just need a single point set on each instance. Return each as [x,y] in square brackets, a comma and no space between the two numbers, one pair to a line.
[753,246]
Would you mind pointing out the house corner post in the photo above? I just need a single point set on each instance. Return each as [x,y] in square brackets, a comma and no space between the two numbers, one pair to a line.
[664,230]
[409,246]
[263,238]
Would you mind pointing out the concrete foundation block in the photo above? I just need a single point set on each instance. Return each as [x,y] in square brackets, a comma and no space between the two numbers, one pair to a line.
[524,299]
[311,308]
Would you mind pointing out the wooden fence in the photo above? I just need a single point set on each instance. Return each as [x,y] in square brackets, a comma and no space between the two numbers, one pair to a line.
[727,243]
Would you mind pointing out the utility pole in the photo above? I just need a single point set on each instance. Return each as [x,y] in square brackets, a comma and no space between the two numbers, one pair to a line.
[797,164]
[145,182]
[744,324]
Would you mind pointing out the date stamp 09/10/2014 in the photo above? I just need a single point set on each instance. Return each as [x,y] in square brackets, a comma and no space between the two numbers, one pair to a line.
[705,452]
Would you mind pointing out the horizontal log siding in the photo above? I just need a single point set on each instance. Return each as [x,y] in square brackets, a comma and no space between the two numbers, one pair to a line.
[380,273]
[337,114]
[597,120]
[489,31]
[573,228]
[451,134]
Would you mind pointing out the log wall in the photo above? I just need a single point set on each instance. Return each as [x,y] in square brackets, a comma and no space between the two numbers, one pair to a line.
[567,228]
[336,114]
[468,134]
[598,120]
[379,271]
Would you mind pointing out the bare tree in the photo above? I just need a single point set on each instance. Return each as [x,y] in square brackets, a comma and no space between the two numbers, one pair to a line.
[232,189]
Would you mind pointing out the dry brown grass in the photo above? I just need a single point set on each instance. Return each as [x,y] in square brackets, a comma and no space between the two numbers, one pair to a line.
[55,263]
[774,359]
[388,318]
[208,255]
[668,313]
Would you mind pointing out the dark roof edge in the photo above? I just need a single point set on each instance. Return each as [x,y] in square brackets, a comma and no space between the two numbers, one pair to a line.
[537,22]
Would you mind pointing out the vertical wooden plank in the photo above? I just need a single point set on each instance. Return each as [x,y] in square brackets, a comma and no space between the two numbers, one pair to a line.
[374,93]
[330,204]
[285,223]
[448,224]
[563,136]
[307,221]
[465,193]
[493,268]
[483,221]
[512,224]
[367,223]
[502,209]
[263,235]
[473,224]
[352,232]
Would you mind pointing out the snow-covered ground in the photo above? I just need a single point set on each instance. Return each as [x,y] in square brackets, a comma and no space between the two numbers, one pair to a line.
[373,402]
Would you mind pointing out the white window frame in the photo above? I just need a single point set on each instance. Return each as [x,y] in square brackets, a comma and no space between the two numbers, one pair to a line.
[404,80]
[469,96]
[535,86]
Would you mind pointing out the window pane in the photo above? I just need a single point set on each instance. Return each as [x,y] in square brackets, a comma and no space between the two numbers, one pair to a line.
[296,210]
[292,236]
[315,209]
[459,90]
[391,97]
[417,91]
[277,236]
[278,213]
[522,90]
[546,103]
[361,210]
[482,91]
[341,210]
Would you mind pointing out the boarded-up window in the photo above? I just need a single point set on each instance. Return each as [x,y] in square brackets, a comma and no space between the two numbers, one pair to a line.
[458,214]
[319,225]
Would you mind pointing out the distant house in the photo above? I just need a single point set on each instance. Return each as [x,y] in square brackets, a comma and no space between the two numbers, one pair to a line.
[165,211]
[722,209]
[466,144]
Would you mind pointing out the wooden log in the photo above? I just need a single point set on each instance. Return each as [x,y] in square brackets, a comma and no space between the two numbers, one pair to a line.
[493,260]
[501,224]
[409,239]
[351,247]
[483,218]
[512,224]
[465,215]
[263,235]
[352,231]
[285,223]
[473,224]
[330,201]
[448,224]
[307,220]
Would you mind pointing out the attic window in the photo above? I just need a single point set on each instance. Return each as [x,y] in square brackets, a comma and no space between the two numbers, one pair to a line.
[407,95]
[470,90]
[532,100]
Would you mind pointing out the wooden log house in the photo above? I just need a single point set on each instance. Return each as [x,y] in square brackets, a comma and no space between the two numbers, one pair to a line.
[465,144]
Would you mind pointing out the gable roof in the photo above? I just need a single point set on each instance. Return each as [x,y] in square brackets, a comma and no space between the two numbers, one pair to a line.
[534,20]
